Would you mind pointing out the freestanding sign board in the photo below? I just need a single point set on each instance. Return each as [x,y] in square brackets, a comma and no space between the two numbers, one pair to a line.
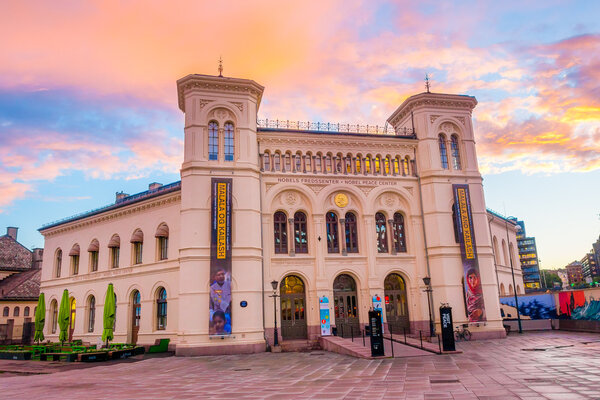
[447,328]
[376,334]
[324,314]
[377,307]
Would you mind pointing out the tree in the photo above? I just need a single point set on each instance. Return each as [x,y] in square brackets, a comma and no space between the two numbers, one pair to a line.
[551,277]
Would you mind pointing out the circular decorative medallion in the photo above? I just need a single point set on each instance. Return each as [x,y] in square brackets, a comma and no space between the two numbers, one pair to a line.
[291,198]
[341,200]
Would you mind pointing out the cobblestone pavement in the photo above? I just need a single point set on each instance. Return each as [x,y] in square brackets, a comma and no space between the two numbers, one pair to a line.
[541,365]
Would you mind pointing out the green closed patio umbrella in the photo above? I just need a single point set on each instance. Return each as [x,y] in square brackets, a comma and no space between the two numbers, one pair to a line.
[40,319]
[109,314]
[63,317]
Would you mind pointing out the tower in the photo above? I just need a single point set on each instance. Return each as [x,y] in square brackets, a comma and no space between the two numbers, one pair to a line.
[446,157]
[220,147]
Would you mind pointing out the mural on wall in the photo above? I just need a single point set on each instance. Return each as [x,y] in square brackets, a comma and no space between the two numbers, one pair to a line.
[569,301]
[539,306]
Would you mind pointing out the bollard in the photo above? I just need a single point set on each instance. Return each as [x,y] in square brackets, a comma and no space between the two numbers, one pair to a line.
[363,334]
[392,343]
[439,343]
[342,326]
[421,339]
[404,335]
[352,333]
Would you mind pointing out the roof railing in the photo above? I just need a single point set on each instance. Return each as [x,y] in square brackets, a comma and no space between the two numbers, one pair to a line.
[332,127]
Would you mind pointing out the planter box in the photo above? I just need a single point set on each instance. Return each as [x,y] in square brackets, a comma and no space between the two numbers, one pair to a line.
[16,355]
[93,357]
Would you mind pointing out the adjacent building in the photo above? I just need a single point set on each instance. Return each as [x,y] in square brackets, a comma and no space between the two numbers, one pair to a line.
[20,272]
[575,272]
[504,232]
[528,257]
[325,216]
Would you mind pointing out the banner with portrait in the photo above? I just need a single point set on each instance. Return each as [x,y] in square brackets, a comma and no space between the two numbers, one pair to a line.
[468,249]
[220,258]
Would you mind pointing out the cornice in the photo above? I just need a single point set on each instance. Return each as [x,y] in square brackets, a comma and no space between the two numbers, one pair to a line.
[435,100]
[217,84]
[113,214]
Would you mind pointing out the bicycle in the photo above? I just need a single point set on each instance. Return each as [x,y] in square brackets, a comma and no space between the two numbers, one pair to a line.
[463,333]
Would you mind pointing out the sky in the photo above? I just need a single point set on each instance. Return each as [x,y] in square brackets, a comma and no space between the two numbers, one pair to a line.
[88,100]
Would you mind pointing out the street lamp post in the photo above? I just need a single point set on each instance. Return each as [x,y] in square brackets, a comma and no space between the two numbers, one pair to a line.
[275,296]
[429,290]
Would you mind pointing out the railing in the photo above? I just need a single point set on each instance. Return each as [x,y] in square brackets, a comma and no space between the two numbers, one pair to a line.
[330,127]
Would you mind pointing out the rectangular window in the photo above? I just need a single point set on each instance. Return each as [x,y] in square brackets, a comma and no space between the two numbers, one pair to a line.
[93,261]
[114,257]
[163,246]
[137,252]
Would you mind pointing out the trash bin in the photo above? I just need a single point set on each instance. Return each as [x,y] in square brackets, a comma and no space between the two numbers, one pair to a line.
[334,330]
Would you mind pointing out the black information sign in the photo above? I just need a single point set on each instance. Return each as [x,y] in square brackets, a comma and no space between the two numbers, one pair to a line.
[376,334]
[447,328]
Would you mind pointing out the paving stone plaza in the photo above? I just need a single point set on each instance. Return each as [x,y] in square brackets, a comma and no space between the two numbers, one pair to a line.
[537,365]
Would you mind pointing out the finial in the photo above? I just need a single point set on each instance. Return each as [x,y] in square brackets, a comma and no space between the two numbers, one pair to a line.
[221,67]
[427,85]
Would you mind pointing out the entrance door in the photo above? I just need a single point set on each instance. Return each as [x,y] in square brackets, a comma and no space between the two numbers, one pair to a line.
[346,306]
[293,311]
[396,306]
[135,317]
[72,320]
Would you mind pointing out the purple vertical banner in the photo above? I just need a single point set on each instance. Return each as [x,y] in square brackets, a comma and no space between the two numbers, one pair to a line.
[220,258]
[468,250]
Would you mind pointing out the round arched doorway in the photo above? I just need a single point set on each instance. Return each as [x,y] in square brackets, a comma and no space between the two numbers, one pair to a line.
[72,313]
[293,308]
[346,306]
[396,304]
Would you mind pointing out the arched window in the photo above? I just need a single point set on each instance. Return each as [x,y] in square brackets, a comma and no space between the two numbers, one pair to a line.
[277,162]
[161,309]
[213,140]
[298,162]
[510,289]
[115,248]
[496,253]
[57,262]
[26,312]
[338,163]
[378,165]
[505,253]
[381,233]
[300,236]
[73,310]
[318,163]
[455,152]
[396,166]
[443,152]
[333,245]
[74,256]
[288,162]
[229,143]
[162,241]
[93,250]
[502,289]
[16,311]
[386,163]
[137,245]
[6,312]
[266,162]
[328,163]
[351,233]
[348,162]
[368,164]
[91,313]
[398,234]
[137,308]
[358,163]
[54,315]
[405,166]
[308,162]
[280,232]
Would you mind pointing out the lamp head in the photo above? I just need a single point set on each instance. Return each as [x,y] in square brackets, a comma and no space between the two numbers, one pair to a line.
[274,284]
[427,281]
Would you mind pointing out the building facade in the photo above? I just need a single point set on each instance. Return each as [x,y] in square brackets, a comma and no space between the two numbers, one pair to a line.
[504,233]
[528,257]
[575,273]
[324,211]
[20,272]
